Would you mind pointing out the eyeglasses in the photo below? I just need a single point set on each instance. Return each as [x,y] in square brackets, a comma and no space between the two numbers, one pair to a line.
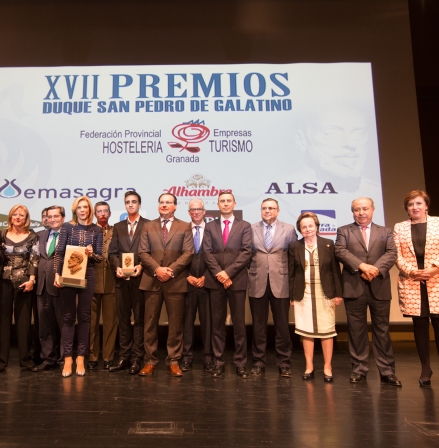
[268,209]
[166,203]
[194,210]
[103,212]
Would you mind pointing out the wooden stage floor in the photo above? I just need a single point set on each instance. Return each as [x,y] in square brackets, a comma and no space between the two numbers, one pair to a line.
[102,409]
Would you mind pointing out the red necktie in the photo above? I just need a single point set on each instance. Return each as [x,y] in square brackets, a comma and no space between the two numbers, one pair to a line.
[226,231]
[363,231]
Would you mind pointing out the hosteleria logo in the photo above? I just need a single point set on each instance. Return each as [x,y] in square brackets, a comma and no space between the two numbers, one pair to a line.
[196,186]
[189,133]
[9,189]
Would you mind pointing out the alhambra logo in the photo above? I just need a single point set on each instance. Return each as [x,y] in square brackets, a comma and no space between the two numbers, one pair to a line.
[10,189]
[196,186]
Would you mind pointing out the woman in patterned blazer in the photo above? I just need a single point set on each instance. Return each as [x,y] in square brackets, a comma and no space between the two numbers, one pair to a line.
[417,241]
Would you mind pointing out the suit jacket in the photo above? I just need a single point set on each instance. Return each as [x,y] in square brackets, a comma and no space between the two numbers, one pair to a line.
[120,244]
[351,251]
[273,261]
[103,271]
[329,269]
[233,258]
[197,268]
[46,269]
[176,254]
[408,289]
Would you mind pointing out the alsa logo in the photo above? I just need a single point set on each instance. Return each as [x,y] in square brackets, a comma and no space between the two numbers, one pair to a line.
[9,189]
[328,222]
[189,133]
[196,186]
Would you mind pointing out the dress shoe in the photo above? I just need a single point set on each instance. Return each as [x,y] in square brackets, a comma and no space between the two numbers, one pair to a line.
[43,366]
[425,382]
[135,367]
[92,365]
[209,366]
[174,370]
[257,371]
[148,369]
[186,366]
[242,372]
[391,380]
[357,378]
[285,372]
[108,364]
[308,376]
[217,372]
[121,365]
[328,378]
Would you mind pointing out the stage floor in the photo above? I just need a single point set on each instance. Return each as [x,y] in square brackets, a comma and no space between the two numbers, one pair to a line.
[117,409]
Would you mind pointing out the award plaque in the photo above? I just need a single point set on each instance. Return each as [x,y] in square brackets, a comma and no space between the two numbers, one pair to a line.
[74,268]
[127,264]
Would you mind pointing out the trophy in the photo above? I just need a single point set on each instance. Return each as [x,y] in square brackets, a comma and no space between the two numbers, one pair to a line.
[127,264]
[74,268]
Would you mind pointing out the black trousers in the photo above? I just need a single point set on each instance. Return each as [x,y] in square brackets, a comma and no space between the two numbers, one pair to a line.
[218,302]
[130,297]
[280,308]
[197,300]
[14,300]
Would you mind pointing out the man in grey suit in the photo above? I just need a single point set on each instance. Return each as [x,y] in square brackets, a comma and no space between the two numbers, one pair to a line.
[268,284]
[227,246]
[50,310]
[367,252]
[125,239]
[165,251]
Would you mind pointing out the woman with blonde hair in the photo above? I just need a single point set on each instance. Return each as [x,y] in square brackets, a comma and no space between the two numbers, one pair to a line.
[78,232]
[417,242]
[19,251]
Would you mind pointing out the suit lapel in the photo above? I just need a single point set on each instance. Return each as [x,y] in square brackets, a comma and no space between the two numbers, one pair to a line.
[233,230]
[159,230]
[373,235]
[357,232]
[43,243]
[302,253]
[408,234]
[174,226]
[260,233]
[321,251]
[278,232]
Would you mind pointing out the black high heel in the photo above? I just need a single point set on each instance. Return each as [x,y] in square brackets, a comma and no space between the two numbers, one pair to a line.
[425,383]
[308,376]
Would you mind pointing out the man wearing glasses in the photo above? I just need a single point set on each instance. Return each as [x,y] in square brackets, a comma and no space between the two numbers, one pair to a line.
[126,238]
[103,298]
[165,251]
[268,285]
[197,296]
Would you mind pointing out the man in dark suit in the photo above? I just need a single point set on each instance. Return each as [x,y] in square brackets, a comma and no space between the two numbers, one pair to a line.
[268,285]
[367,252]
[227,247]
[49,303]
[165,251]
[125,239]
[197,296]
[104,298]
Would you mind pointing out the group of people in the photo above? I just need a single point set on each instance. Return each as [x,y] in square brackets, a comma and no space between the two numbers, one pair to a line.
[204,267]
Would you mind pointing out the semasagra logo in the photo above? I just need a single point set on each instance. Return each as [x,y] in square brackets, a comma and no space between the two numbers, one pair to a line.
[9,189]
[189,133]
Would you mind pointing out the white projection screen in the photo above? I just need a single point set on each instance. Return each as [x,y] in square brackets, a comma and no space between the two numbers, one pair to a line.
[314,108]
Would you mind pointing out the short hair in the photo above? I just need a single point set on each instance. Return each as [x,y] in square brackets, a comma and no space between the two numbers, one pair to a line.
[13,210]
[362,197]
[195,200]
[75,206]
[168,194]
[133,193]
[308,215]
[414,194]
[226,192]
[44,211]
[102,203]
[62,210]
[270,199]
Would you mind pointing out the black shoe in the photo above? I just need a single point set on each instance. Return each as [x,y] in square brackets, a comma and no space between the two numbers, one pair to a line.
[43,366]
[357,378]
[92,365]
[258,371]
[28,368]
[209,366]
[121,365]
[328,378]
[425,382]
[242,372]
[108,364]
[285,372]
[135,368]
[391,380]
[217,371]
[185,366]
[308,376]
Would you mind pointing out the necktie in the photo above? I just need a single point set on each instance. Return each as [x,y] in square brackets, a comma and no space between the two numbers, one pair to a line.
[197,239]
[363,232]
[165,230]
[52,246]
[268,238]
[131,224]
[226,231]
